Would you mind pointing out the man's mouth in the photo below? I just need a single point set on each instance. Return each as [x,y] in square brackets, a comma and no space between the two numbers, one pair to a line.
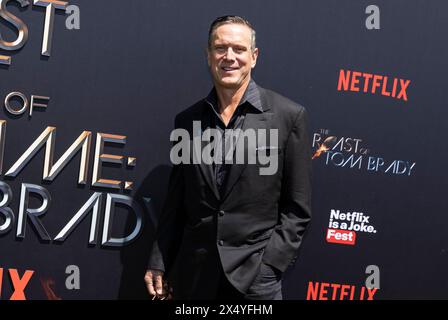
[229,69]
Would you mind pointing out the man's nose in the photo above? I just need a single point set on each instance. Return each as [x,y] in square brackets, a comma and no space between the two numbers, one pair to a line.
[230,55]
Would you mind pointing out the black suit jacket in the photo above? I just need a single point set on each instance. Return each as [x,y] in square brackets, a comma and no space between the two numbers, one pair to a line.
[257,218]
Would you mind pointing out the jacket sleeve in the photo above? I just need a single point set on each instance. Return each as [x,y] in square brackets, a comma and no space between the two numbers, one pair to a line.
[171,223]
[295,199]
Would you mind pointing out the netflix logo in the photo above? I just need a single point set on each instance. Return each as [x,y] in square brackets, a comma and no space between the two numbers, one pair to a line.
[336,291]
[372,83]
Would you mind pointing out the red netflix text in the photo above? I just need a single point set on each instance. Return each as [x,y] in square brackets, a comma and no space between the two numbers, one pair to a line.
[336,291]
[356,81]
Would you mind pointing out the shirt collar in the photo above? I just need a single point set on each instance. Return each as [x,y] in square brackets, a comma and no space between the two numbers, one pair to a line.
[251,95]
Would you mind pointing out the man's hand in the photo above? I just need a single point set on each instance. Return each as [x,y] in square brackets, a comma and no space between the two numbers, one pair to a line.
[157,288]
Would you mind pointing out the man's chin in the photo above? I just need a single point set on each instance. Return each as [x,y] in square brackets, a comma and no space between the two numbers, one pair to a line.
[229,83]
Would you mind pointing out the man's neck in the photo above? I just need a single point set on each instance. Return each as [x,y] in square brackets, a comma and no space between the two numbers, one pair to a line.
[228,99]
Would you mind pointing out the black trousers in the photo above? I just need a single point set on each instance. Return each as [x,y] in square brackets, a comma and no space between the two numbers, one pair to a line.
[266,286]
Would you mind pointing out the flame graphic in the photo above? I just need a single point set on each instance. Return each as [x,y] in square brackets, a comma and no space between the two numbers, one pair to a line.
[48,286]
[325,146]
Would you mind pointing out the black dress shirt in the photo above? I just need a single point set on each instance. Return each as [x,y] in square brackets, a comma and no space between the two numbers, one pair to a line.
[250,99]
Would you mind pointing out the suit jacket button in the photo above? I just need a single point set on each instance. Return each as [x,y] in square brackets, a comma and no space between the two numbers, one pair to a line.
[221,243]
[221,213]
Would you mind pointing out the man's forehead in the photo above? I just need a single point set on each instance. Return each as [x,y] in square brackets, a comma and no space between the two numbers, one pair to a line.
[232,32]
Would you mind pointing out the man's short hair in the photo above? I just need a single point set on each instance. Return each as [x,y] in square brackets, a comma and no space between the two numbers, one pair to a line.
[229,20]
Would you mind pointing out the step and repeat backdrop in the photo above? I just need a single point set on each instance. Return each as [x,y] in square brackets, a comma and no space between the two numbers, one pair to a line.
[88,94]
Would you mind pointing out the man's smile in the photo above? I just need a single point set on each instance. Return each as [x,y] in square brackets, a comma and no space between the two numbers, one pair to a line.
[229,69]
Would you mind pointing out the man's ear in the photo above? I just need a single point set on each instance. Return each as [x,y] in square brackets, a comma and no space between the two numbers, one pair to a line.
[254,57]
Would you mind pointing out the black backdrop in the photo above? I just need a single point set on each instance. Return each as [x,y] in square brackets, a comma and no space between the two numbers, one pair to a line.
[133,65]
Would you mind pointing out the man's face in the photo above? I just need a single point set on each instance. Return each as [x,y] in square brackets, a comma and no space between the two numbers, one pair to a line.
[230,56]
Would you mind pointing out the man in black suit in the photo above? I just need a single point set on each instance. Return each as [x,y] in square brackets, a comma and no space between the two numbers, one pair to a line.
[232,228]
